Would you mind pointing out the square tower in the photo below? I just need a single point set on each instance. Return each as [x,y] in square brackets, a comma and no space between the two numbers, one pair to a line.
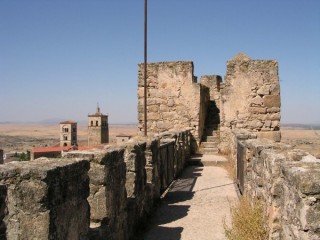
[98,128]
[68,133]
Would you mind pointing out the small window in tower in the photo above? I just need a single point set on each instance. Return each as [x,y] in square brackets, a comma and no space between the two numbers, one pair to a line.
[91,123]
[96,123]
[65,138]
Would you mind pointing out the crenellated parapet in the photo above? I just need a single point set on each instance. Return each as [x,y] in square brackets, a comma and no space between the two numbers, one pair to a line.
[95,194]
[285,179]
[44,199]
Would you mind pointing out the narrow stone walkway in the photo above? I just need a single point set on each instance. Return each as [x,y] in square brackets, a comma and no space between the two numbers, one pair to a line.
[196,205]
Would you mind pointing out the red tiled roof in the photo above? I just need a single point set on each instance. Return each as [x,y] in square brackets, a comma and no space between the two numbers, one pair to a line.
[53,149]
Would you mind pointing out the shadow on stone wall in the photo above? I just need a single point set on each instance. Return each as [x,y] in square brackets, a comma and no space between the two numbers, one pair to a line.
[122,184]
[3,196]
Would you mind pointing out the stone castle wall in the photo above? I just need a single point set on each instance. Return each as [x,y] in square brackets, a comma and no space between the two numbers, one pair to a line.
[50,198]
[1,156]
[213,82]
[44,199]
[174,99]
[287,181]
[251,97]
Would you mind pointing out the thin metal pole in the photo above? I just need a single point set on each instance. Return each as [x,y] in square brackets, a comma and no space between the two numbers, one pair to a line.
[145,67]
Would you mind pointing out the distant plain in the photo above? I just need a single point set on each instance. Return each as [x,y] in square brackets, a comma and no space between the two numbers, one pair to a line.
[22,137]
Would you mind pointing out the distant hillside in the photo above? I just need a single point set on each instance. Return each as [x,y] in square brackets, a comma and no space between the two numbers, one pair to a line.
[315,126]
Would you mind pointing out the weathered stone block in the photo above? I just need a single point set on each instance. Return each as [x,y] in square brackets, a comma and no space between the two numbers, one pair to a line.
[256,101]
[272,135]
[255,124]
[264,90]
[271,101]
[273,110]
[257,110]
[49,194]
[3,206]
[153,108]
[275,89]
[274,116]
[153,116]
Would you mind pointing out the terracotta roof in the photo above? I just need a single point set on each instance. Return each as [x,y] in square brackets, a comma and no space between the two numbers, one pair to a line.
[53,149]
[67,122]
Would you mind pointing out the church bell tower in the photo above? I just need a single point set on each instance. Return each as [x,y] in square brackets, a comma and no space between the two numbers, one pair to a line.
[98,128]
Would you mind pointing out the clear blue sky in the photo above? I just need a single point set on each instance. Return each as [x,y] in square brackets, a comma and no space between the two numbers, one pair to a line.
[59,58]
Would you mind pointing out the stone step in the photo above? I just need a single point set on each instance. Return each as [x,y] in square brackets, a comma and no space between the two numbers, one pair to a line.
[207,160]
[211,139]
[213,150]
[208,144]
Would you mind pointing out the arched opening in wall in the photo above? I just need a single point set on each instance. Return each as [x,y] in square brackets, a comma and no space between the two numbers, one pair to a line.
[65,129]
[65,138]
[91,123]
[65,144]
[97,123]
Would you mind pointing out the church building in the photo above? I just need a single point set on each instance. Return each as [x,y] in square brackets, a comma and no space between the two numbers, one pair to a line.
[98,128]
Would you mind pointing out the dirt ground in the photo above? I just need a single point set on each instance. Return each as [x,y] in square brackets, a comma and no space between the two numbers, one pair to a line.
[22,137]
[305,139]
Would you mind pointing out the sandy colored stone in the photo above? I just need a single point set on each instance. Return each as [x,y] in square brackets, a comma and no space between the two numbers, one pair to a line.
[271,101]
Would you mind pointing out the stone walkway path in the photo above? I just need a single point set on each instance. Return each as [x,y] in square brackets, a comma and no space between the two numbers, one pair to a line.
[195,206]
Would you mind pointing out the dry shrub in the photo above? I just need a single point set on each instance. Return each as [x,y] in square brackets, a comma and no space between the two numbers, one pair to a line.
[248,221]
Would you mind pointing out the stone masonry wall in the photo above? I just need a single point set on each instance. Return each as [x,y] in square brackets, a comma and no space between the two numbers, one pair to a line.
[251,97]
[288,182]
[49,198]
[213,82]
[174,99]
[125,182]
[1,156]
[45,199]
[3,196]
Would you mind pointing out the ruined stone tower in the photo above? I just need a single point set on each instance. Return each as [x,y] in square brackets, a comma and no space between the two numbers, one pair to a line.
[68,133]
[248,98]
[98,128]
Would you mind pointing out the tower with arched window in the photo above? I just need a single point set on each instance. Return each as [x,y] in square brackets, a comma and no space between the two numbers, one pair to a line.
[68,133]
[98,128]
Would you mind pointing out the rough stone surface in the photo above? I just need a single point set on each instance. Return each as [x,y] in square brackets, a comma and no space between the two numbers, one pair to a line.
[1,156]
[126,182]
[287,181]
[251,97]
[45,199]
[174,99]
[250,100]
